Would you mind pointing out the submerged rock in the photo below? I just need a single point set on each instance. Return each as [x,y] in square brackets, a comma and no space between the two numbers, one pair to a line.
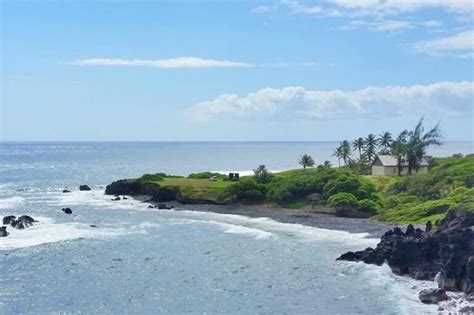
[3,231]
[67,210]
[447,254]
[432,296]
[84,188]
[116,198]
[66,191]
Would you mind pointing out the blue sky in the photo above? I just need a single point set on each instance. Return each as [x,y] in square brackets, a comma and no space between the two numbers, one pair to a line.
[234,70]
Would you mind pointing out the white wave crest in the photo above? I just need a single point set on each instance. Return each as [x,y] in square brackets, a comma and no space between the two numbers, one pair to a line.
[11,202]
[47,231]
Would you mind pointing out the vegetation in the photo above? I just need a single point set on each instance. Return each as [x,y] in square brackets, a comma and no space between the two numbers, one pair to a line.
[408,147]
[424,197]
[206,175]
[262,176]
[411,199]
[306,161]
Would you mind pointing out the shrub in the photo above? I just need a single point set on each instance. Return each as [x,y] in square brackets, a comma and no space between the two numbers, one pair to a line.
[246,190]
[368,205]
[342,199]
[262,176]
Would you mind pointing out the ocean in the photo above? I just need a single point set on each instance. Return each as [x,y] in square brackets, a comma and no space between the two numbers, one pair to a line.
[122,258]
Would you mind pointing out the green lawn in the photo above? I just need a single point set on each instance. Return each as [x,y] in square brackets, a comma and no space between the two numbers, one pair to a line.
[191,188]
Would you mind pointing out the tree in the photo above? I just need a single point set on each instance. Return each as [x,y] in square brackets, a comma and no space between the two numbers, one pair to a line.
[385,141]
[306,161]
[327,164]
[399,149]
[262,176]
[418,142]
[338,153]
[345,151]
[358,144]
[370,146]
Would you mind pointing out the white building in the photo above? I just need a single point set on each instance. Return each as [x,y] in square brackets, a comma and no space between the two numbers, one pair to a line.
[386,165]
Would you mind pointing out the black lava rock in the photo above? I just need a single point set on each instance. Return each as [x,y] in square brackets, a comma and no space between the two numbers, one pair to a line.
[448,252]
[67,210]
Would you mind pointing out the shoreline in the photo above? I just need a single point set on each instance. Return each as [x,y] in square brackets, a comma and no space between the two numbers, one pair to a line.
[307,216]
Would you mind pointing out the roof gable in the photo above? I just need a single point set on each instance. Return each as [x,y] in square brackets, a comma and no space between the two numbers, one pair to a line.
[391,160]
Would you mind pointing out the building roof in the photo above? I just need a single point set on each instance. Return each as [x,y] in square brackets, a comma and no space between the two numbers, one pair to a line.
[391,160]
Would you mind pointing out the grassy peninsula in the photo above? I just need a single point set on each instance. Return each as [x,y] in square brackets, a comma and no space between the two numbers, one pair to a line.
[403,199]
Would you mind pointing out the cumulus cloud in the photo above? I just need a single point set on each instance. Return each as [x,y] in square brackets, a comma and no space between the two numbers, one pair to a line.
[297,103]
[172,63]
[460,44]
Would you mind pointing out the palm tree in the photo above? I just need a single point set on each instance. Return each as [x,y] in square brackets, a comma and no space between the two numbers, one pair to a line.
[370,145]
[306,161]
[338,153]
[419,142]
[399,149]
[358,144]
[327,164]
[385,141]
[345,151]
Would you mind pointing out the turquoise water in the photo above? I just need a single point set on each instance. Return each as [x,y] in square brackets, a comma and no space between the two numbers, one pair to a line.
[140,261]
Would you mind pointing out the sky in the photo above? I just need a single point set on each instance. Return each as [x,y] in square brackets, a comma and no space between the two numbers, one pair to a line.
[283,70]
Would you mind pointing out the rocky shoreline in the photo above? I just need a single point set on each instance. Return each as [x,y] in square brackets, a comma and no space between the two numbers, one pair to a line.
[444,254]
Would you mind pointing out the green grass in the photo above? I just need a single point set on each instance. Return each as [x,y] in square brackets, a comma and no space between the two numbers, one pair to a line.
[408,199]
[296,204]
[192,188]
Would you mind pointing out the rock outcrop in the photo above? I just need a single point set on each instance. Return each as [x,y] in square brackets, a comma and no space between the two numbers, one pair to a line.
[132,187]
[3,231]
[8,219]
[432,296]
[22,222]
[66,210]
[84,188]
[446,254]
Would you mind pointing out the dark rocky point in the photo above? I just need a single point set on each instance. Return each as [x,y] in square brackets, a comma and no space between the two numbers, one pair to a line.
[432,296]
[3,231]
[66,191]
[447,253]
[67,210]
[84,188]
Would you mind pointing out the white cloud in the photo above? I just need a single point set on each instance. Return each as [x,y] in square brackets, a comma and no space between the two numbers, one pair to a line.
[294,103]
[265,9]
[172,63]
[380,15]
[394,7]
[379,25]
[460,44]
[431,23]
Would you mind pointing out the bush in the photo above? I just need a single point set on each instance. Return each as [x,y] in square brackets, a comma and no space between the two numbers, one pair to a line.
[343,200]
[262,176]
[368,205]
[246,190]
[349,182]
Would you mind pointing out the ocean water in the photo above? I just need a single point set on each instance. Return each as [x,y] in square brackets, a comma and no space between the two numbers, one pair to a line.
[140,261]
